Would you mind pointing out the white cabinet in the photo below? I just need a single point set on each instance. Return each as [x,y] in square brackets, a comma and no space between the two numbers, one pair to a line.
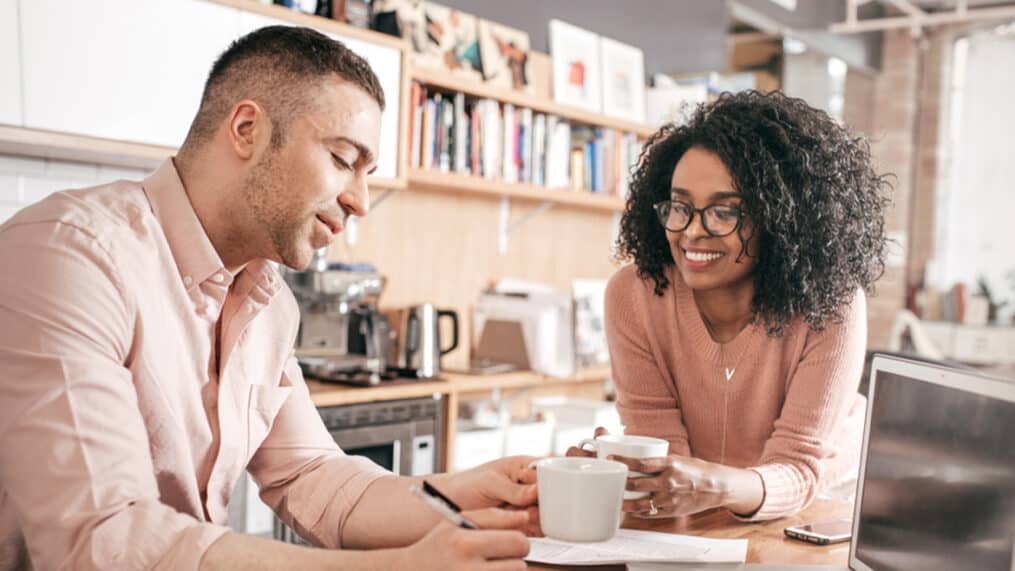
[134,70]
[120,69]
[976,345]
[10,64]
[387,64]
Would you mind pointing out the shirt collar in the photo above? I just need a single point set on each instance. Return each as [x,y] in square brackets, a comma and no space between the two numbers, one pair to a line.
[195,256]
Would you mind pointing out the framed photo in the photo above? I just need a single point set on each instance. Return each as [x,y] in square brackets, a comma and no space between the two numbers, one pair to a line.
[576,69]
[452,42]
[589,323]
[623,75]
[505,55]
[442,38]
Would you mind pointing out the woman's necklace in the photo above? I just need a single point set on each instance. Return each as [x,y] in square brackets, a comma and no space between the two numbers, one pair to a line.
[730,371]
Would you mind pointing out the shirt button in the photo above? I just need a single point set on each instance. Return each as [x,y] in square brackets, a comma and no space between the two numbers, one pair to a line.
[187,281]
[219,278]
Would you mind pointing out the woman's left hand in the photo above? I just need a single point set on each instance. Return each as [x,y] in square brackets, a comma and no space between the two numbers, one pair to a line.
[678,485]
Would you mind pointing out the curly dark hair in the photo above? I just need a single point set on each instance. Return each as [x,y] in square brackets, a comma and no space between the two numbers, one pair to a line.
[808,186]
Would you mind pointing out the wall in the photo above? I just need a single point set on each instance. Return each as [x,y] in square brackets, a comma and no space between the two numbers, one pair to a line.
[932,154]
[442,249]
[677,36]
[894,123]
[27,180]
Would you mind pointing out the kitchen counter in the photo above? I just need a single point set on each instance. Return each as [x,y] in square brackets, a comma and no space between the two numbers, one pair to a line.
[454,387]
[331,394]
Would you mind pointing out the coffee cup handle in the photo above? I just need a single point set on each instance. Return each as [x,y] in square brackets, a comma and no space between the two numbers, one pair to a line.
[590,441]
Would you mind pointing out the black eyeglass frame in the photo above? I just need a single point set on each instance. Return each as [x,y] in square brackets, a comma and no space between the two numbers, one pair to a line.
[700,212]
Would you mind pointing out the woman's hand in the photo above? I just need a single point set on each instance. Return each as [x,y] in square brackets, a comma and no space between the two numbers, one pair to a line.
[581,452]
[678,485]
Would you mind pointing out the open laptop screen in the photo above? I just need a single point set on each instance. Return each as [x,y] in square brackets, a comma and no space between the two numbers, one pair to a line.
[939,480]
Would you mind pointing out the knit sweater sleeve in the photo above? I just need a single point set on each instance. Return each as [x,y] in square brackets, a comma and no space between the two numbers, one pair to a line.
[647,399]
[819,395]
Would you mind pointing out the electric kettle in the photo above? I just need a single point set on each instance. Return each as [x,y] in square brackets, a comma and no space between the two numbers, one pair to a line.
[419,346]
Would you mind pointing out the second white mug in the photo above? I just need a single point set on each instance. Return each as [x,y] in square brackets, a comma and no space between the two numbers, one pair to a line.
[630,446]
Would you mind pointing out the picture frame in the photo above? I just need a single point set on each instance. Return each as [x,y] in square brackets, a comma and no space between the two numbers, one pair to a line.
[576,67]
[451,41]
[589,298]
[442,38]
[623,77]
[505,56]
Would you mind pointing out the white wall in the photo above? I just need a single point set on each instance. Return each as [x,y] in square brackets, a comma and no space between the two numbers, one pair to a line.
[27,180]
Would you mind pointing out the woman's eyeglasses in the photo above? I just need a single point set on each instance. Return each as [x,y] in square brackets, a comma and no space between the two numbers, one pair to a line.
[718,219]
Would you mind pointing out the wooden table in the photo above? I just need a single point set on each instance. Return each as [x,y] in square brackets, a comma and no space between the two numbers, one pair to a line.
[766,541]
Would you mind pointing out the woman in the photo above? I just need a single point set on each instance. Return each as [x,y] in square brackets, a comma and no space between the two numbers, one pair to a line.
[738,333]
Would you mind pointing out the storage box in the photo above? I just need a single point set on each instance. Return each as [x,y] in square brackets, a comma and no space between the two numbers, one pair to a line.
[530,438]
[475,446]
[568,435]
[579,412]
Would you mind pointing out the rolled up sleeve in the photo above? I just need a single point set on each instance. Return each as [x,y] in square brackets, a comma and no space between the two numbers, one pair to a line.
[75,462]
[303,475]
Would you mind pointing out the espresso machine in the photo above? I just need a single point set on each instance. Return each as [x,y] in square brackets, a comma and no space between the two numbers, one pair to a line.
[343,337]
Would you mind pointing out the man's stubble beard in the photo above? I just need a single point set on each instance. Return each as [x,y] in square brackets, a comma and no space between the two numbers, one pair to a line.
[279,219]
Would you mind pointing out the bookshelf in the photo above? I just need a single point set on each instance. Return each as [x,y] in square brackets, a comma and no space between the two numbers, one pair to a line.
[448,82]
[448,182]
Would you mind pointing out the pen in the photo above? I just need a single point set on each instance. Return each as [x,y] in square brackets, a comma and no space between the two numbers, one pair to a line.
[442,505]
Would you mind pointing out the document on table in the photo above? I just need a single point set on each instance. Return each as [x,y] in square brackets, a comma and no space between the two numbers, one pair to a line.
[632,546]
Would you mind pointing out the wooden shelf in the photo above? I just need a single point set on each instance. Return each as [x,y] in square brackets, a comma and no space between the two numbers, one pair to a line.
[69,147]
[37,143]
[437,181]
[449,82]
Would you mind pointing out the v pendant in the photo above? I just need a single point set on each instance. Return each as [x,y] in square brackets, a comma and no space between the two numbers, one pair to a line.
[729,373]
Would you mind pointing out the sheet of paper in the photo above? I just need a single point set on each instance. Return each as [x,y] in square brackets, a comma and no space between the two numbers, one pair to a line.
[631,546]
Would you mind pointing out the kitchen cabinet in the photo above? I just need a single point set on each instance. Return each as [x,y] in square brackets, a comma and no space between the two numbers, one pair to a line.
[10,64]
[129,70]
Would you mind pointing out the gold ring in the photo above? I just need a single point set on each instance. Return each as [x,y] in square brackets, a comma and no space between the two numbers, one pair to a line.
[652,509]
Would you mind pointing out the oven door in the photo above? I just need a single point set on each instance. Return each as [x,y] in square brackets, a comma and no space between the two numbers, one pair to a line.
[388,445]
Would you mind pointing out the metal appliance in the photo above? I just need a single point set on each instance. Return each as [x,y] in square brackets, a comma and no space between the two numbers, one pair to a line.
[343,335]
[403,436]
[418,349]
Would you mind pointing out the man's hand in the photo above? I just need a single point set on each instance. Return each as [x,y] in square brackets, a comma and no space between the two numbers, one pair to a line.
[507,483]
[451,548]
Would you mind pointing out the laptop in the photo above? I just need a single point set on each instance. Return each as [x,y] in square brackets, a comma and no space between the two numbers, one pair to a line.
[936,489]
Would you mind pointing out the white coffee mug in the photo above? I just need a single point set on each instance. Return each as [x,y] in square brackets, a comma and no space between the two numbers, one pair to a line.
[631,447]
[580,498]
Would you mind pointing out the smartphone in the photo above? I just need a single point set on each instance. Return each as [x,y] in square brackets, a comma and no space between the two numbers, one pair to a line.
[823,533]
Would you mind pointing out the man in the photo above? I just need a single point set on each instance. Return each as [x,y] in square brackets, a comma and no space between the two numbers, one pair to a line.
[145,349]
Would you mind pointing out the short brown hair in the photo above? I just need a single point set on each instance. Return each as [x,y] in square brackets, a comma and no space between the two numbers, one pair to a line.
[276,66]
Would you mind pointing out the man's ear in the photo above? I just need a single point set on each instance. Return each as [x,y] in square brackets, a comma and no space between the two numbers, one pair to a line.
[248,127]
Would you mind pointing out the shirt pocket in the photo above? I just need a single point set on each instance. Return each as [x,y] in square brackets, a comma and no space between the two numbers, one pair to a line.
[264,403]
